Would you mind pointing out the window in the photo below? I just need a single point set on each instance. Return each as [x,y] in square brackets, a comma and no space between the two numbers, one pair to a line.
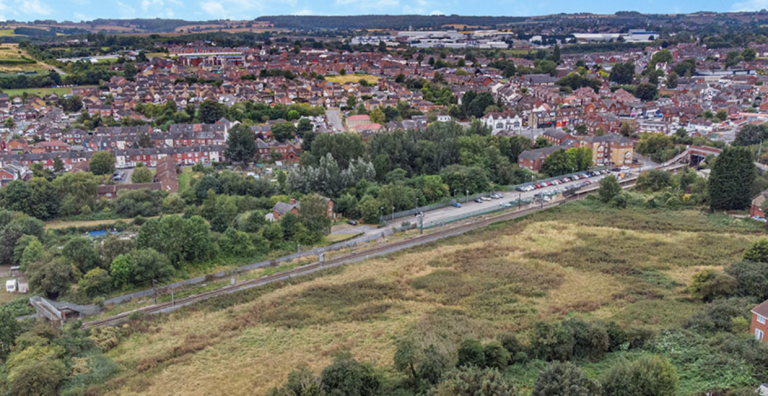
[758,334]
[761,319]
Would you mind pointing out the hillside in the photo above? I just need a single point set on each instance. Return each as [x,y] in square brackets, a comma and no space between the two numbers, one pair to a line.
[585,260]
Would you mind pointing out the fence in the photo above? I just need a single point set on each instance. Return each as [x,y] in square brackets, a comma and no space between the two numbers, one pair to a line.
[267,263]
[510,205]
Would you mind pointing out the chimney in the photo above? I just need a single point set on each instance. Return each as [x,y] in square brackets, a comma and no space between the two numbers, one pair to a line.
[293,201]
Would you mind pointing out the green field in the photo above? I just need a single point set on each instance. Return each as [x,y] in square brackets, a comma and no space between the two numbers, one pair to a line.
[7,33]
[582,260]
[38,91]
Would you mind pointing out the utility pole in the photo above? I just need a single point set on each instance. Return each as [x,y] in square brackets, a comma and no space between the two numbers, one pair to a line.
[154,291]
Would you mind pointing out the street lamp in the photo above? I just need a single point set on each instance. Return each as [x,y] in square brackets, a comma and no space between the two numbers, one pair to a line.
[466,196]
[393,212]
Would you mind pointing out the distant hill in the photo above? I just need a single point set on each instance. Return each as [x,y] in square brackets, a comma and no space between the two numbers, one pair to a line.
[384,21]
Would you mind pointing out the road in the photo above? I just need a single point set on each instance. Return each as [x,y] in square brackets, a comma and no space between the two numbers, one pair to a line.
[334,118]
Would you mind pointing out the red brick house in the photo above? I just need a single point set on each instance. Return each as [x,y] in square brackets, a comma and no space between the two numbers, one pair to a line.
[759,327]
[281,208]
[534,159]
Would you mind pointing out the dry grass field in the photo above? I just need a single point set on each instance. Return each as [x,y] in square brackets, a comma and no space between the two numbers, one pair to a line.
[630,266]
[353,78]
[15,60]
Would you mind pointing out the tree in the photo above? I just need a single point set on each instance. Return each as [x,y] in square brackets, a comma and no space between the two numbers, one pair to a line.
[672,80]
[9,123]
[241,145]
[283,131]
[626,129]
[622,73]
[377,116]
[654,180]
[721,115]
[751,134]
[52,277]
[749,54]
[10,328]
[751,279]
[581,157]
[609,188]
[561,379]
[558,163]
[58,165]
[471,353]
[646,91]
[541,142]
[709,284]
[474,381]
[731,180]
[145,141]
[142,174]
[649,375]
[80,253]
[140,267]
[96,282]
[211,111]
[102,163]
[313,213]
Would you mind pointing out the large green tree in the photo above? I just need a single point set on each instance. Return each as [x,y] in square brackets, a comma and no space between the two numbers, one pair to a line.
[211,111]
[102,163]
[731,180]
[241,145]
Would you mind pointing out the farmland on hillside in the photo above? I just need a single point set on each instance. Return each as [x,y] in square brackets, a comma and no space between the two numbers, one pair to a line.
[15,60]
[582,260]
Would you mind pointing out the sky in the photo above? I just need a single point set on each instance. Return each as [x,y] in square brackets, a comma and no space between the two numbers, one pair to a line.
[79,10]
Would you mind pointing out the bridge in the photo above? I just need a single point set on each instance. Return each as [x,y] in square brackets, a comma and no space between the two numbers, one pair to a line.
[60,312]
[693,155]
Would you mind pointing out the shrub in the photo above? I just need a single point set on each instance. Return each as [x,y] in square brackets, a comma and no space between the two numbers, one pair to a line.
[105,338]
[551,341]
[609,188]
[560,379]
[496,356]
[471,353]
[347,377]
[590,339]
[473,381]
[757,252]
[751,278]
[37,378]
[709,284]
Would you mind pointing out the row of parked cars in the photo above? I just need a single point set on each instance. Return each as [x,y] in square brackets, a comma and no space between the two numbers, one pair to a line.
[118,176]
[557,182]
[488,198]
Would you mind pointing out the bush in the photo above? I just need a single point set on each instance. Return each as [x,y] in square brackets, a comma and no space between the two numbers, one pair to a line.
[473,381]
[551,341]
[471,353]
[38,378]
[650,375]
[590,339]
[496,356]
[345,376]
[757,252]
[751,279]
[561,379]
[609,188]
[709,284]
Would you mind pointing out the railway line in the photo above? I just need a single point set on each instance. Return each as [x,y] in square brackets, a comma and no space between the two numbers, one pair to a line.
[346,259]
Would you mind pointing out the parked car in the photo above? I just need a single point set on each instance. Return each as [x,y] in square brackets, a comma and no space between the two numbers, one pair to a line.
[478,200]
[352,223]
[485,198]
[538,186]
[456,205]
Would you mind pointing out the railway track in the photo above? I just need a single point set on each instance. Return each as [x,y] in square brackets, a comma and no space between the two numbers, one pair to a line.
[347,259]
[314,267]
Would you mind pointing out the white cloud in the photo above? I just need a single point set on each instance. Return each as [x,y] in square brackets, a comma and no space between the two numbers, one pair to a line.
[436,12]
[214,9]
[750,5]
[408,9]
[125,11]
[304,12]
[33,7]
